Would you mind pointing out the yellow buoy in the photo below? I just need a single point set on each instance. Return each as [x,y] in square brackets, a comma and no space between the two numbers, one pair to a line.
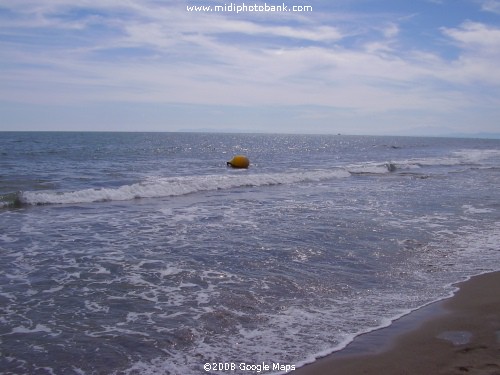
[239,161]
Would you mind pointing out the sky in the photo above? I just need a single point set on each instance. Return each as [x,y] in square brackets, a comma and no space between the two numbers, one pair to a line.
[380,67]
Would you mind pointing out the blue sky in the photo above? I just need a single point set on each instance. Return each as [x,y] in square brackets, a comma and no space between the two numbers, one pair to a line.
[420,67]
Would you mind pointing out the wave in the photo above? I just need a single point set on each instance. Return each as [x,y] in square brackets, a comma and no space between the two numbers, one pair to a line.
[157,187]
[466,157]
[373,168]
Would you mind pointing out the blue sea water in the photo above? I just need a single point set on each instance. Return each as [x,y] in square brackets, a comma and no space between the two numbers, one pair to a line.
[143,253]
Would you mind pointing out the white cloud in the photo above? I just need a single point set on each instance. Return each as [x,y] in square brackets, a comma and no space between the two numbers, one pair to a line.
[391,30]
[476,36]
[220,59]
[480,53]
[491,6]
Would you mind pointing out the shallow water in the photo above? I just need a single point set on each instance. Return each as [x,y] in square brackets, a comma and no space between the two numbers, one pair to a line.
[143,253]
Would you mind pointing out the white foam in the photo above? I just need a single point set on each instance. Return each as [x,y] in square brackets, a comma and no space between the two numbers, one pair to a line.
[115,332]
[468,156]
[38,328]
[370,168]
[462,157]
[143,317]
[155,187]
[102,270]
[170,271]
[53,290]
[297,329]
[48,370]
[294,330]
[78,371]
[95,307]
[469,209]
[476,156]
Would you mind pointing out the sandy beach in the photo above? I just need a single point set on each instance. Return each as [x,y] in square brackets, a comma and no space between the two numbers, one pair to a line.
[460,335]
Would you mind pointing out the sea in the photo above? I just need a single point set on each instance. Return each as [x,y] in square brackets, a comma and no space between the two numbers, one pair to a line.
[144,253]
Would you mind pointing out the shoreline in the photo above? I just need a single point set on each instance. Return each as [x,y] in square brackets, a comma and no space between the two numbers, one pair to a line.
[457,335]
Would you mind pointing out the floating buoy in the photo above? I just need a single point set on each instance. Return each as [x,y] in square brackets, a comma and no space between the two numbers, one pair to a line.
[239,161]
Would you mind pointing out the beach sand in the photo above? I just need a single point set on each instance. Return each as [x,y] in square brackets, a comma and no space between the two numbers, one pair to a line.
[460,335]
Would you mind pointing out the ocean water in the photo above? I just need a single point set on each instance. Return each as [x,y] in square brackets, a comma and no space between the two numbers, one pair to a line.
[143,253]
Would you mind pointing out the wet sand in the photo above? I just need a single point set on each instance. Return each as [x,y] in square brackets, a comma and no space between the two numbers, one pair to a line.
[460,335]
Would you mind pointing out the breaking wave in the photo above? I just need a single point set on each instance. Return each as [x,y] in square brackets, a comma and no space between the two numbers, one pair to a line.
[157,187]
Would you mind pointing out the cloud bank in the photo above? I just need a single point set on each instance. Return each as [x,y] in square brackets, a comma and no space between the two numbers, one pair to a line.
[337,68]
